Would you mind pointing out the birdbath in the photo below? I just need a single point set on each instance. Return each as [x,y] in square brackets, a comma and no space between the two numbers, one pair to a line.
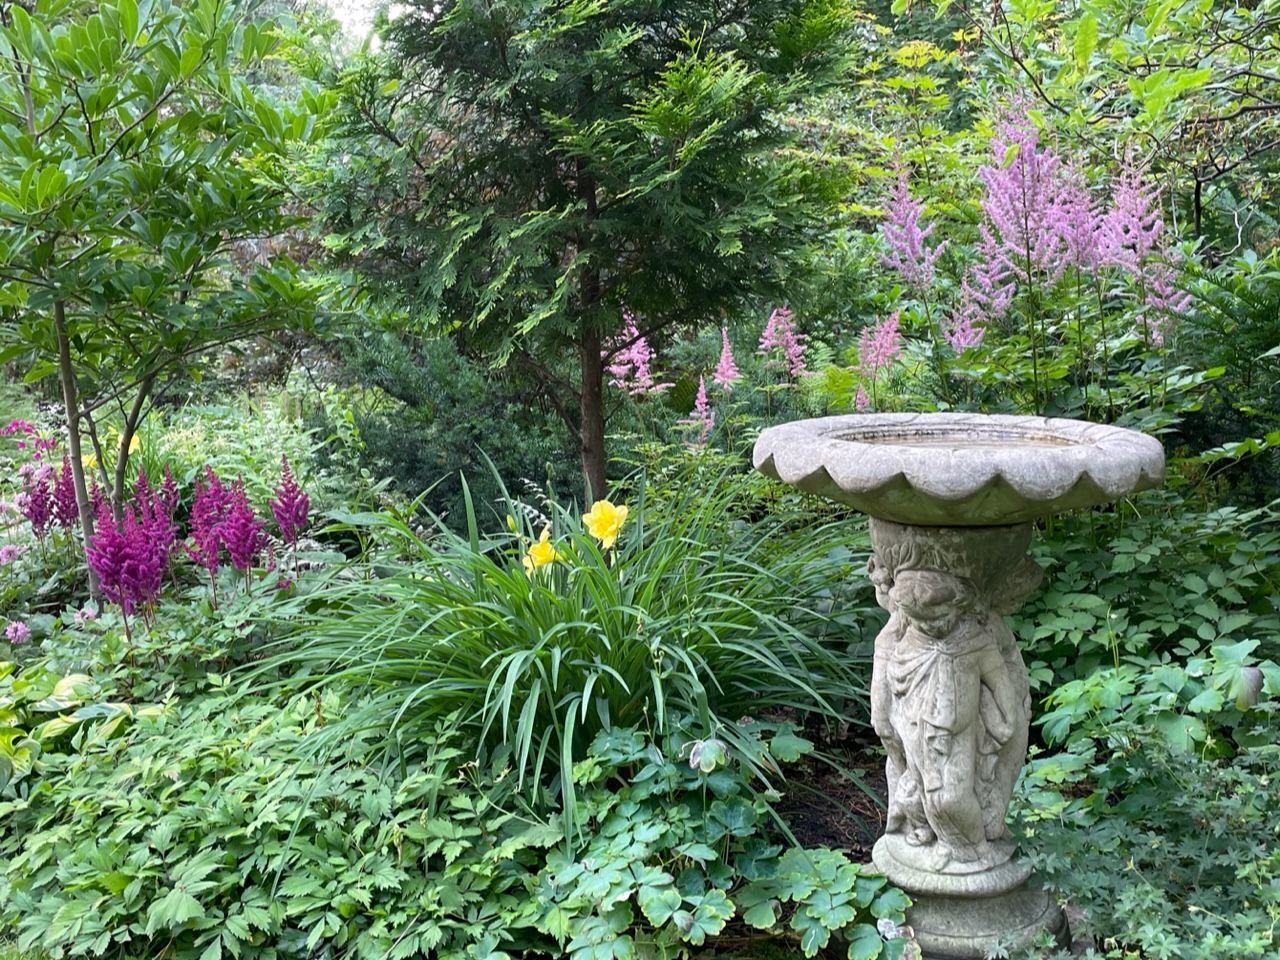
[951,498]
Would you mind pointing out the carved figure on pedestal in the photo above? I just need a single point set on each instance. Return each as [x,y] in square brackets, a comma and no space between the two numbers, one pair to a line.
[950,698]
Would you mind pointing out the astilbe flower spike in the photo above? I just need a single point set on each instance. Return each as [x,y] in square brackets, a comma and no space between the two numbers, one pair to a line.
[779,333]
[36,500]
[128,561]
[208,511]
[908,252]
[629,361]
[703,416]
[241,531]
[726,373]
[65,509]
[877,348]
[291,505]
[964,329]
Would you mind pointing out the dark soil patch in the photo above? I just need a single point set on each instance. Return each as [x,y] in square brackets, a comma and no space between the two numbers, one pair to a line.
[838,804]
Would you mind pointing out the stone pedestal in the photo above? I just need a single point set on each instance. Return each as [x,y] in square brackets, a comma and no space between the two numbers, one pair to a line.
[951,497]
[950,699]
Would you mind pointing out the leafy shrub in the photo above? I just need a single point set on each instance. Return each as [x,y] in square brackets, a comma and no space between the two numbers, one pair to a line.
[685,617]
[1151,587]
[1171,854]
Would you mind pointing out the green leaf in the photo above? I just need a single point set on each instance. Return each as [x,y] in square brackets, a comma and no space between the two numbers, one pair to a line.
[1086,40]
[864,942]
[763,916]
[789,748]
[173,910]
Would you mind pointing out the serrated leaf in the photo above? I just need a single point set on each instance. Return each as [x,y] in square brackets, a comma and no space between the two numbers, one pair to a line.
[763,916]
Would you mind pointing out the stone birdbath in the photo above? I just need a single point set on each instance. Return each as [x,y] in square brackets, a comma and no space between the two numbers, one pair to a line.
[952,498]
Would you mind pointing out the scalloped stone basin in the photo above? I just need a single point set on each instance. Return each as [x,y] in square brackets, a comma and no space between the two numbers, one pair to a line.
[960,469]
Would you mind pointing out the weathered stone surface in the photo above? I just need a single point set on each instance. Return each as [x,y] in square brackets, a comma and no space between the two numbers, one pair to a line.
[960,469]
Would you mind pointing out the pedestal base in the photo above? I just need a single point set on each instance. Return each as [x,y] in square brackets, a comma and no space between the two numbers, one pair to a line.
[963,916]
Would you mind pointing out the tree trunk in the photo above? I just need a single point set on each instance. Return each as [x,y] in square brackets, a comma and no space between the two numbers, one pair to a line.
[126,440]
[591,407]
[71,403]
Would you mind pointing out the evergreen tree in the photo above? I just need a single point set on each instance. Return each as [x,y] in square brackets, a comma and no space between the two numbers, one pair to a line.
[515,174]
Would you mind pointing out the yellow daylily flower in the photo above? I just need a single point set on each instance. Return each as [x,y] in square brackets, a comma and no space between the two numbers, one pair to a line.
[541,553]
[604,521]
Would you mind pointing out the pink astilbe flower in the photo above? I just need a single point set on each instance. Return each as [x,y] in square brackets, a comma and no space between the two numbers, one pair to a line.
[291,505]
[780,334]
[168,493]
[963,329]
[630,358]
[861,401]
[65,510]
[726,373]
[241,531]
[703,416]
[1164,300]
[908,252]
[878,345]
[1132,227]
[1076,218]
[155,515]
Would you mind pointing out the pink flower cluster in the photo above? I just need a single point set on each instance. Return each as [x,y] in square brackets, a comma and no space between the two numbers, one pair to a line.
[17,632]
[877,347]
[1041,218]
[704,418]
[130,557]
[780,334]
[908,252]
[726,373]
[629,357]
[28,435]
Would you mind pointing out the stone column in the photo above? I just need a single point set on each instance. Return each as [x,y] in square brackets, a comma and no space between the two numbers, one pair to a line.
[951,702]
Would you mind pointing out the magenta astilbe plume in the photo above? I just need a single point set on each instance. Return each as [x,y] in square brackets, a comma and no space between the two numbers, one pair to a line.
[65,510]
[36,501]
[1164,300]
[154,514]
[168,493]
[726,373]
[908,252]
[127,559]
[290,506]
[208,511]
[780,334]
[878,346]
[241,530]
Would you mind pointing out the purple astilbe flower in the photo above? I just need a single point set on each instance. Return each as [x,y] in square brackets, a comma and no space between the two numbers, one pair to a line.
[65,509]
[908,252]
[97,497]
[878,345]
[155,514]
[861,401]
[630,358]
[703,416]
[291,505]
[127,560]
[726,373]
[17,632]
[208,511]
[780,334]
[1131,228]
[963,329]
[168,493]
[241,531]
[36,501]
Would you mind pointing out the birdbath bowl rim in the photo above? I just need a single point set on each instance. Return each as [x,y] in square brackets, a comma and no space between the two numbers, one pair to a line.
[960,469]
